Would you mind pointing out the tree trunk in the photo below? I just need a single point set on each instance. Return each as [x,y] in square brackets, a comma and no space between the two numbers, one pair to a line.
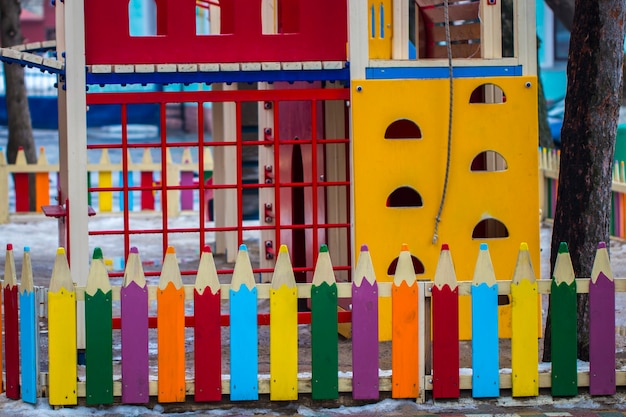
[564,11]
[583,207]
[18,113]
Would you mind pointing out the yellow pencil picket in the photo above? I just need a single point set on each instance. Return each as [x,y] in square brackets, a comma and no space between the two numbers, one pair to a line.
[105,180]
[524,319]
[283,331]
[62,334]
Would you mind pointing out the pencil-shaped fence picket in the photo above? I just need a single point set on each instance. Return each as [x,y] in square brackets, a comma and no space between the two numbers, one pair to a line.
[424,357]
[178,176]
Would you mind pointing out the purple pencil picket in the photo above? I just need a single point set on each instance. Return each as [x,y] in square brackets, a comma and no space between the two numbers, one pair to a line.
[365,383]
[134,318]
[602,325]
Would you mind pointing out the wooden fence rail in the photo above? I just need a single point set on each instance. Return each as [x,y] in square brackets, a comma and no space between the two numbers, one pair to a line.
[100,181]
[428,366]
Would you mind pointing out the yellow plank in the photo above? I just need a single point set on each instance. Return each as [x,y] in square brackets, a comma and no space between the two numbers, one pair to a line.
[284,344]
[62,347]
[421,164]
[283,330]
[524,342]
[380,13]
[105,180]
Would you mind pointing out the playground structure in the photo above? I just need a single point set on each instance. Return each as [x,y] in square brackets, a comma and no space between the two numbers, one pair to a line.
[360,139]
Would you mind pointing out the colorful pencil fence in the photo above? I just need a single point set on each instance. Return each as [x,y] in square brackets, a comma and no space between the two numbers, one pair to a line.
[549,160]
[141,178]
[415,305]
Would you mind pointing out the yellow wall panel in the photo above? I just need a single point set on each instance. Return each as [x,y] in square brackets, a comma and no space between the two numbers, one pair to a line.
[382,165]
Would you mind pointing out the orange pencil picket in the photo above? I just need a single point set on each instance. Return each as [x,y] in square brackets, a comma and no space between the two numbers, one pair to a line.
[42,182]
[171,331]
[404,329]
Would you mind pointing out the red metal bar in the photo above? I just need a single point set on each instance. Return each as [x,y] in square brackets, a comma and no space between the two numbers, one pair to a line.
[314,178]
[163,175]
[262,318]
[276,184]
[218,96]
[125,179]
[239,168]
[201,185]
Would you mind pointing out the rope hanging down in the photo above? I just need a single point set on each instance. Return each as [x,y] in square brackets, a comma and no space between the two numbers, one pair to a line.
[445,182]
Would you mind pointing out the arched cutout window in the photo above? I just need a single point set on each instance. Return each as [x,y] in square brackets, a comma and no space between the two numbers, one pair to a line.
[490,161]
[487,94]
[490,229]
[418,266]
[142,18]
[403,129]
[404,197]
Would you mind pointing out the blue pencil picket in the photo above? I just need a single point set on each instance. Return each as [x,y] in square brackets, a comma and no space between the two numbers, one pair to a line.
[485,352]
[244,384]
[29,332]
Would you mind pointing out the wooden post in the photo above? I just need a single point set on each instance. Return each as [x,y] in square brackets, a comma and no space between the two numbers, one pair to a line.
[267,198]
[70,35]
[225,201]
[359,48]
[400,29]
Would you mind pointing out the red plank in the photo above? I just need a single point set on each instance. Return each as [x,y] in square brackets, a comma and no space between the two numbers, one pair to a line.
[445,308]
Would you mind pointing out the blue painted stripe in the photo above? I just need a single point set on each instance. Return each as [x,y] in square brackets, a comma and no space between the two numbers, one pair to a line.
[29,347]
[244,384]
[218,77]
[394,73]
[485,353]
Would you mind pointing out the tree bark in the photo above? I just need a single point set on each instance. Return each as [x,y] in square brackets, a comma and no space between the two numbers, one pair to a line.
[594,89]
[18,113]
[564,11]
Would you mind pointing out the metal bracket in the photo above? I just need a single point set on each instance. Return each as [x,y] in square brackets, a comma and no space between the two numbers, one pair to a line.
[269,215]
[269,250]
[269,175]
